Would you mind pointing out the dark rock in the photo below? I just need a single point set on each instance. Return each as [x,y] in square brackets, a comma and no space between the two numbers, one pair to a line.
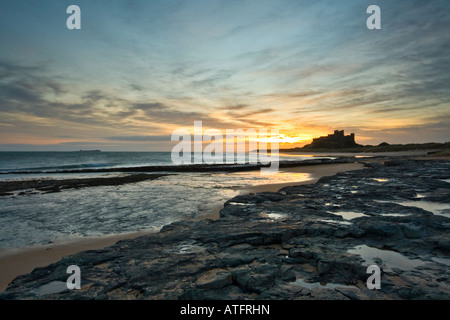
[411,293]
[48,186]
[413,231]
[4,194]
[230,292]
[393,163]
[214,279]
[247,254]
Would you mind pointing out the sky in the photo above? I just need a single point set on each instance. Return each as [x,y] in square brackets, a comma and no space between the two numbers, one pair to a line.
[138,70]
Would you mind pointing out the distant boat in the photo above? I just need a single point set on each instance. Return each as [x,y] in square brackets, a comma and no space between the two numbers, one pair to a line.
[90,151]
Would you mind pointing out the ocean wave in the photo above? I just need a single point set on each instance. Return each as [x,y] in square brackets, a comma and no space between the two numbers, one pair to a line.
[120,167]
[61,167]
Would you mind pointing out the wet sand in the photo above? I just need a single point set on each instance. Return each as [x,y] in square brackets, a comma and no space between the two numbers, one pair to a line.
[18,262]
[315,172]
[408,153]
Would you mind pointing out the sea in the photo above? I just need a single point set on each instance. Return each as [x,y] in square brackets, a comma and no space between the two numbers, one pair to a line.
[44,218]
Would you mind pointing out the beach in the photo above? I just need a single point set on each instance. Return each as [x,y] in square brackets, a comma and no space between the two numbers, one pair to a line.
[225,150]
[18,262]
[315,172]
[308,241]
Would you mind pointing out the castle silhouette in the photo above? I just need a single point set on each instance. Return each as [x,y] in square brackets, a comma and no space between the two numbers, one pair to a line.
[337,140]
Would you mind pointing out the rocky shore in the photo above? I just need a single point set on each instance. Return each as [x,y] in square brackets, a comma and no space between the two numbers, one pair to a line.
[302,242]
[26,187]
[195,167]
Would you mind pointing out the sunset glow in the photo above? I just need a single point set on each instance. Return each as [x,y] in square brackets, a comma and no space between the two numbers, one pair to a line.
[137,71]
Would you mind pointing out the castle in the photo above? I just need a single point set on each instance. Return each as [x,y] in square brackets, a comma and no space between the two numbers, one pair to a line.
[337,140]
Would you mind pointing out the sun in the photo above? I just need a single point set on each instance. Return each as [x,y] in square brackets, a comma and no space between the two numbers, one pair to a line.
[285,140]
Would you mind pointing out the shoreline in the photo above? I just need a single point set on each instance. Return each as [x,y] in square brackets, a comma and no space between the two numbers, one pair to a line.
[307,242]
[8,188]
[16,262]
[315,171]
[22,261]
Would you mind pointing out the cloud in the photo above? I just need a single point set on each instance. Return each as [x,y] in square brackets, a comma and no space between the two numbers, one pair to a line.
[136,87]
[17,92]
[249,64]
[141,138]
[212,80]
[33,93]
[9,69]
[94,96]
[247,114]
[236,107]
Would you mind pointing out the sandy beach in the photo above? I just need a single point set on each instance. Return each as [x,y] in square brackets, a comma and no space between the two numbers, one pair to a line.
[315,172]
[296,244]
[18,262]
